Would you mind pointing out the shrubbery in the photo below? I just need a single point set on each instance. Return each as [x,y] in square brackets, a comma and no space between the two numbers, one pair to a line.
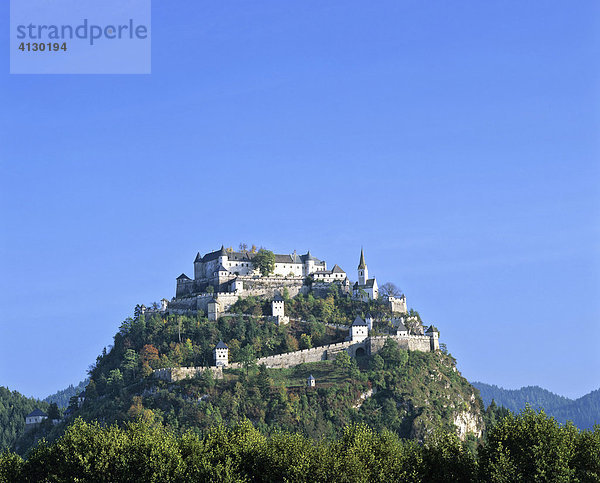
[526,447]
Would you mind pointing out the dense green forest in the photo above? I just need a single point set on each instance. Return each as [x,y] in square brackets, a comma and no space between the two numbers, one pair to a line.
[584,412]
[63,397]
[527,447]
[13,409]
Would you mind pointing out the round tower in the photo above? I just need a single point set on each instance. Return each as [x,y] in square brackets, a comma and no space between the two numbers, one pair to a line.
[223,256]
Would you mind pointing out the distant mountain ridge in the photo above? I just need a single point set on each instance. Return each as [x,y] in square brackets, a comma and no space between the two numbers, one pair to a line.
[61,398]
[584,411]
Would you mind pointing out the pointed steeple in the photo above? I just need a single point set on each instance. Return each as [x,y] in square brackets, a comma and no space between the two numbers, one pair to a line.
[223,252]
[361,263]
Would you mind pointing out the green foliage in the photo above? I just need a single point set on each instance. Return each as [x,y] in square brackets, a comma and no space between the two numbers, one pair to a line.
[53,412]
[264,260]
[530,447]
[13,409]
[90,452]
[343,360]
[11,467]
[445,458]
[522,448]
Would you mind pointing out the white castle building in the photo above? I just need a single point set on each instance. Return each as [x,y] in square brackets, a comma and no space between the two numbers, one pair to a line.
[223,276]
[226,271]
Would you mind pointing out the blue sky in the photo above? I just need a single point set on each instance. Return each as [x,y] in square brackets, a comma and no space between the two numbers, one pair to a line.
[457,142]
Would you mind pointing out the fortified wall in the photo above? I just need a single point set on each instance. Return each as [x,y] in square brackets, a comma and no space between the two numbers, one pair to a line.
[316,354]
[270,286]
[371,345]
[422,343]
[266,287]
[194,303]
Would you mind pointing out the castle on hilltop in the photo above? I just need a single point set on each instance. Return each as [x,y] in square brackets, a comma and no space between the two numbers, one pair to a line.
[223,276]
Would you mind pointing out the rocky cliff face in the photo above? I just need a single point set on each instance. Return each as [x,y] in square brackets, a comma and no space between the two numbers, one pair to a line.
[468,422]
[420,393]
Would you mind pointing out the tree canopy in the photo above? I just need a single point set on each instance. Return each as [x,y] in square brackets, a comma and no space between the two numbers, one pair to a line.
[526,447]
[264,260]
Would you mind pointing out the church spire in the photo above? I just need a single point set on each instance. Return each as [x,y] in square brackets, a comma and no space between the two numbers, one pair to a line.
[361,263]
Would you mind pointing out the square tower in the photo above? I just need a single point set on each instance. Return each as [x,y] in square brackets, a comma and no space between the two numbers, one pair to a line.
[221,353]
[278,306]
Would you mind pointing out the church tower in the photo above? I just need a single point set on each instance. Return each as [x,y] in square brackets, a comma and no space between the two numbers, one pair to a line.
[363,272]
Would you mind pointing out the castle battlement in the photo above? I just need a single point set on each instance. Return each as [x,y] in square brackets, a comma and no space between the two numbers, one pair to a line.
[368,346]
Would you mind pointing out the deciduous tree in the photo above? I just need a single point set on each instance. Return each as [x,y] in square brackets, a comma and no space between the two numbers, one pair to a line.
[264,261]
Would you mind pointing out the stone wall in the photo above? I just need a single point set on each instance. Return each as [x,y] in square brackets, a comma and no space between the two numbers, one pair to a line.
[269,286]
[200,302]
[172,374]
[266,287]
[292,359]
[409,342]
[370,346]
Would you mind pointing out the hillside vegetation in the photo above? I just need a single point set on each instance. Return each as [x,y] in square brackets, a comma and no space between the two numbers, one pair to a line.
[410,393]
[13,409]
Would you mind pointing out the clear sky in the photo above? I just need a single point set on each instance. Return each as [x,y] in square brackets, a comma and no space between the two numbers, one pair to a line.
[458,142]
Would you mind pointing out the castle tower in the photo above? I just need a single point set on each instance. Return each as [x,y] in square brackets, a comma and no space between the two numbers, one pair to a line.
[434,338]
[278,306]
[369,321]
[363,271]
[309,264]
[223,256]
[221,353]
[213,309]
[198,267]
[358,330]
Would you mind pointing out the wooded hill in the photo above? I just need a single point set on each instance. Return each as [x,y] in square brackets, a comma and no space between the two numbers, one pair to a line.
[410,393]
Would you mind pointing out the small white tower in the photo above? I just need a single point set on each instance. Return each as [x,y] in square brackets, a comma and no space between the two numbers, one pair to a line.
[363,271]
[358,330]
[311,381]
[278,306]
[163,305]
[398,324]
[221,353]
[369,321]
